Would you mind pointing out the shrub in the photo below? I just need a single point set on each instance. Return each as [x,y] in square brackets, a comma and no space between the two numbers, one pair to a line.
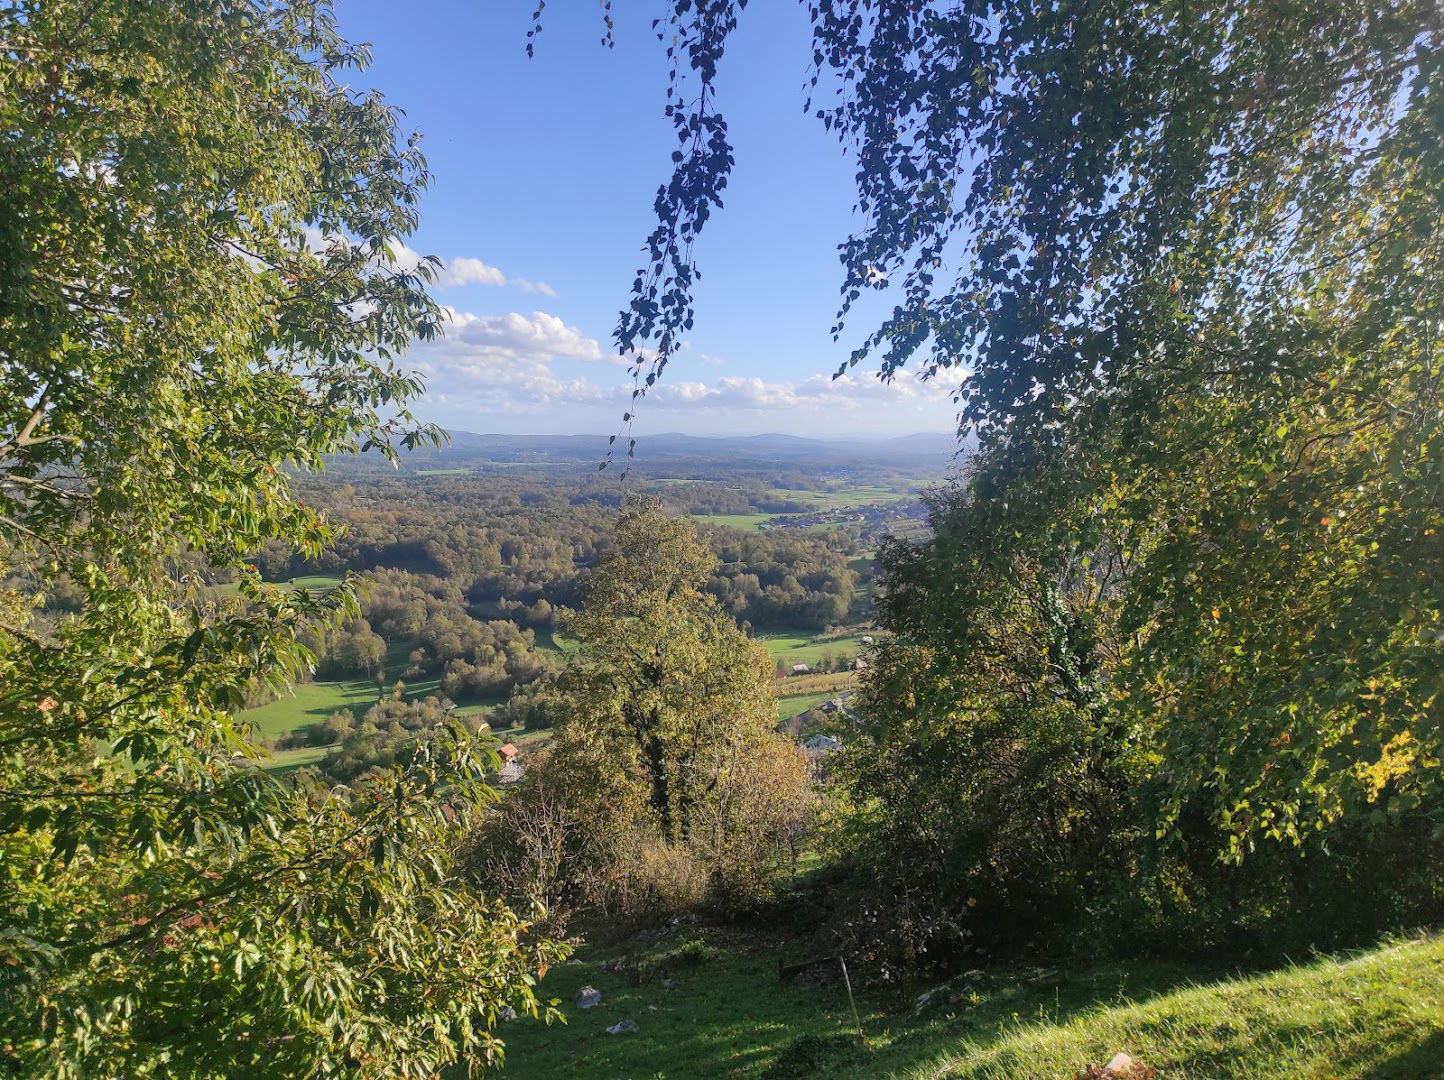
[812,1055]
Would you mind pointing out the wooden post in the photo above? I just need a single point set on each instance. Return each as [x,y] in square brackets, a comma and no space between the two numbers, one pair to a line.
[848,983]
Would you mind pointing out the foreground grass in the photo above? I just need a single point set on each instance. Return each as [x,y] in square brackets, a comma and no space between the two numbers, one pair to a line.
[1378,1014]
[723,1018]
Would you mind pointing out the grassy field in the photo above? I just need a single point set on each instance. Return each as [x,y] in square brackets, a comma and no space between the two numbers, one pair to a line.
[307,581]
[860,495]
[736,521]
[1376,1014]
[284,761]
[312,702]
[788,707]
[798,693]
[555,642]
[804,647]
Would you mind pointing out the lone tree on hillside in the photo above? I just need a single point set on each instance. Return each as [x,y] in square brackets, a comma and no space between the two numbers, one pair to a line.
[663,676]
[665,785]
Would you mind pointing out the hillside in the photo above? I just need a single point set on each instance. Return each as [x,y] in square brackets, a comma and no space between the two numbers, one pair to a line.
[927,452]
[1376,1014]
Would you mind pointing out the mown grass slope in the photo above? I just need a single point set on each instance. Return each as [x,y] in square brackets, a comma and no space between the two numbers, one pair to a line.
[1377,1014]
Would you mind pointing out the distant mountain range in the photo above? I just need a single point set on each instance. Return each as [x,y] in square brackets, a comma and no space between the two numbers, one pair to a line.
[933,448]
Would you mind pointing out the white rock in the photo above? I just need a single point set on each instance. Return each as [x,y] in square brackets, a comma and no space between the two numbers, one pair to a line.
[507,1013]
[588,997]
[1118,1064]
[622,1027]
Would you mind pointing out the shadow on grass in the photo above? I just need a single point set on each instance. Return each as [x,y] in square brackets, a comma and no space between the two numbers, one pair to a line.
[1422,1061]
[1005,1000]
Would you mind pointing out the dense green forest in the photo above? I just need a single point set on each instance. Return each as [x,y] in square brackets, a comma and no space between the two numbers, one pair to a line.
[331,745]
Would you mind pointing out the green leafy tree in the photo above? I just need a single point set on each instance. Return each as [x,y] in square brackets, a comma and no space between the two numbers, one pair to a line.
[1185,259]
[662,675]
[665,786]
[202,288]
[996,794]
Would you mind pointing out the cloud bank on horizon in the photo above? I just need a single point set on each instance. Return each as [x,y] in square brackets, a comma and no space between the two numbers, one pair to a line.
[519,370]
[532,367]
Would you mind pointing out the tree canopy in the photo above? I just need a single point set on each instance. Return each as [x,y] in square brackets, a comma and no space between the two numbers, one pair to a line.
[1183,262]
[203,286]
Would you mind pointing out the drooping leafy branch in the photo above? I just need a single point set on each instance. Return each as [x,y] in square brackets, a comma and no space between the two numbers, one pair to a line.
[1183,260]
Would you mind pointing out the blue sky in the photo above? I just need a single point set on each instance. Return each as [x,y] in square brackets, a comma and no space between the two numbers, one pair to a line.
[545,170]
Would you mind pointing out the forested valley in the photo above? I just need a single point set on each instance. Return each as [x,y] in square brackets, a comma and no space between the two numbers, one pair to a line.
[1100,737]
[464,579]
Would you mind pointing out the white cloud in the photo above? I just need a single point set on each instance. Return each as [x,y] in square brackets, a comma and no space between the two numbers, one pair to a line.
[504,363]
[509,363]
[466,271]
[538,335]
[461,270]
[817,392]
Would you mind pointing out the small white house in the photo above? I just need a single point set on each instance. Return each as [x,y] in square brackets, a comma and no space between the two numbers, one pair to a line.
[801,669]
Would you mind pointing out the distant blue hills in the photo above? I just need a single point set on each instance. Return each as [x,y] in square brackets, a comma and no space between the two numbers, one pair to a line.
[923,447]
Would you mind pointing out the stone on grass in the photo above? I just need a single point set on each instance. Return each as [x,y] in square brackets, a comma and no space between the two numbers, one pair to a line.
[588,997]
[622,1027]
[1118,1064]
[507,1013]
[954,994]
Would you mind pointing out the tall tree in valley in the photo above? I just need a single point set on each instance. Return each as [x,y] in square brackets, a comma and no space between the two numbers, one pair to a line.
[665,786]
[664,677]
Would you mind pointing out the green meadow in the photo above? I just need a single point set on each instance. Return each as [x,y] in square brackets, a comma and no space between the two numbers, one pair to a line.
[860,495]
[736,521]
[788,707]
[802,647]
